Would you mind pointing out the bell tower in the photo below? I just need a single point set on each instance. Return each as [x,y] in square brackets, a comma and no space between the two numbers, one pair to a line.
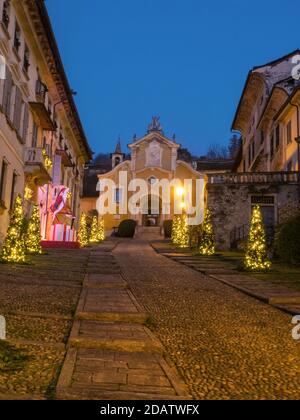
[118,156]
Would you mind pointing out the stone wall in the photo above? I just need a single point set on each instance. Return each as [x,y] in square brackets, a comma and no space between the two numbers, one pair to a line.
[230,205]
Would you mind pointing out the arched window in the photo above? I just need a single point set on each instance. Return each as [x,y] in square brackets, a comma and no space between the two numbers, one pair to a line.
[117,161]
[152,180]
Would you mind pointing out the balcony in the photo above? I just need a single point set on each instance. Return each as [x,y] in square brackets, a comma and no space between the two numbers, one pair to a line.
[40,112]
[253,178]
[37,165]
[65,158]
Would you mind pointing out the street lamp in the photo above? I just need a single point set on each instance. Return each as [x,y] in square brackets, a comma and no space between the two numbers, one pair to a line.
[180,191]
[298,143]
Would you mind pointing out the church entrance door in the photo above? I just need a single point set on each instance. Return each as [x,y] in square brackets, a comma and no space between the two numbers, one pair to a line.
[151,211]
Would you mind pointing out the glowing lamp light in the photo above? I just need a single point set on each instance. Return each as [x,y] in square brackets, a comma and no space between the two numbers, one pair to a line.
[180,191]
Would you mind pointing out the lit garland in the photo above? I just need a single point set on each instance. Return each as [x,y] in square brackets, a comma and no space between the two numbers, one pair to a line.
[28,193]
[97,230]
[94,230]
[13,250]
[180,231]
[33,234]
[47,160]
[207,240]
[101,230]
[175,225]
[83,232]
[256,258]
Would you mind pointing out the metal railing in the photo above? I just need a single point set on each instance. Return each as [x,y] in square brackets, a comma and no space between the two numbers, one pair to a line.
[238,234]
[241,233]
[34,155]
[254,178]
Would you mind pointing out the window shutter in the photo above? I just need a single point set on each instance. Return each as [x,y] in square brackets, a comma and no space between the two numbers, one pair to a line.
[7,93]
[18,110]
[25,123]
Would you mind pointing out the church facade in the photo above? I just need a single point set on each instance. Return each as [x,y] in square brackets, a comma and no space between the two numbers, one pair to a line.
[153,158]
[265,172]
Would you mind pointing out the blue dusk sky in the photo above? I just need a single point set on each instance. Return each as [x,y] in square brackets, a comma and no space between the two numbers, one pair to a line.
[183,60]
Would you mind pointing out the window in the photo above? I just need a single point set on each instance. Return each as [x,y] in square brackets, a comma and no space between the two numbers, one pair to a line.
[18,110]
[13,189]
[289,133]
[261,100]
[253,149]
[6,13]
[74,206]
[263,199]
[17,37]
[34,135]
[277,134]
[7,93]
[152,180]
[50,107]
[25,123]
[26,60]
[117,161]
[118,195]
[272,146]
[289,166]
[40,90]
[3,179]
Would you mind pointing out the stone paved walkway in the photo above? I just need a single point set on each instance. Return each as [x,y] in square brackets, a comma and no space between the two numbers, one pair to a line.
[38,302]
[111,353]
[225,344]
[284,296]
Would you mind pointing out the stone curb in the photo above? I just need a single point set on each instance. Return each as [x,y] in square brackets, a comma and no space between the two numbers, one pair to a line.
[272,301]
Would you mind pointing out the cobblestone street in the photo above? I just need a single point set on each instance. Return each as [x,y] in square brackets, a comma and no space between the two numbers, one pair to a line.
[226,345]
[38,302]
[121,321]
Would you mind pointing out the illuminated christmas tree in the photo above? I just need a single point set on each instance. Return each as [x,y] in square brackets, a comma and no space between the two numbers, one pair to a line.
[256,258]
[101,230]
[207,239]
[13,250]
[83,237]
[33,234]
[94,231]
[175,228]
[180,231]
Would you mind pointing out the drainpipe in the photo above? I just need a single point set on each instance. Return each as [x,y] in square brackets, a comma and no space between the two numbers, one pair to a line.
[298,145]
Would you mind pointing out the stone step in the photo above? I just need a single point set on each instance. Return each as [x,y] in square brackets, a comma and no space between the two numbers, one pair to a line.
[105,281]
[108,300]
[113,375]
[115,336]
[149,229]
[138,318]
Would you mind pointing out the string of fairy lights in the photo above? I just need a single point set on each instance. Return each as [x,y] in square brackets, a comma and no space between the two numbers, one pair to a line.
[94,235]
[256,257]
[24,239]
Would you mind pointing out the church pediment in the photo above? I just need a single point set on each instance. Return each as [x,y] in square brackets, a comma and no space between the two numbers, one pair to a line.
[154,137]
[154,150]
